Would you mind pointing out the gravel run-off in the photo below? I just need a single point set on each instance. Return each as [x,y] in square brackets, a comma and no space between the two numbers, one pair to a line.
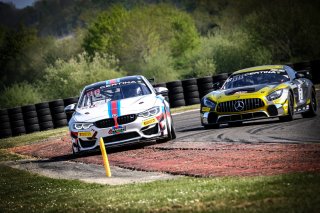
[201,159]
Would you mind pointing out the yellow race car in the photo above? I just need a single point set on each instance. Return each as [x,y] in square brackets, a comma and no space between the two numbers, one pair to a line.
[259,92]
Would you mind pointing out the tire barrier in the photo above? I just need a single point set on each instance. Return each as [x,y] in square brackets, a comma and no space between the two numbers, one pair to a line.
[16,121]
[59,117]
[191,93]
[205,85]
[5,126]
[49,115]
[30,118]
[44,116]
[176,95]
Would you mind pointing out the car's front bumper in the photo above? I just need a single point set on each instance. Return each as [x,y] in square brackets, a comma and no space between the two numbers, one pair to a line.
[270,110]
[142,129]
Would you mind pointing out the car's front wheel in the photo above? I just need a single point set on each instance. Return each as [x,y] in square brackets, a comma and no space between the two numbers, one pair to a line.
[313,106]
[289,117]
[75,150]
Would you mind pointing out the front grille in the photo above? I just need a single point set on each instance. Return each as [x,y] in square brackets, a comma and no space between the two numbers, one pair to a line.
[126,119]
[109,122]
[105,123]
[240,105]
[121,137]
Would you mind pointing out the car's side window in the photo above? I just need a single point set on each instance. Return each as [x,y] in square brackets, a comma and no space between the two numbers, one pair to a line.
[291,72]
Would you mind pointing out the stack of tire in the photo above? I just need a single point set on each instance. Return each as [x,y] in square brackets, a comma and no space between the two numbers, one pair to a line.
[30,118]
[16,121]
[59,117]
[166,96]
[204,85]
[176,95]
[44,116]
[218,80]
[191,93]
[68,101]
[5,127]
[315,71]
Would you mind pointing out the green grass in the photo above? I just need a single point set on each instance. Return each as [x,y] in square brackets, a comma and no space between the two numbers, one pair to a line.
[31,138]
[25,192]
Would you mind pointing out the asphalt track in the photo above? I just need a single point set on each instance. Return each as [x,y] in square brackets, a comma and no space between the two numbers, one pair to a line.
[300,130]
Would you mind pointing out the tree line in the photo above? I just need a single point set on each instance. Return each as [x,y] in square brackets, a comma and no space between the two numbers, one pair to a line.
[53,49]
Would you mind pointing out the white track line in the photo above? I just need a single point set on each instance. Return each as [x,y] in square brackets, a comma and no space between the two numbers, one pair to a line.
[192,110]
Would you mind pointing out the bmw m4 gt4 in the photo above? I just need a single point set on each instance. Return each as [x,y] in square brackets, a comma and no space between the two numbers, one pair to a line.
[121,111]
[259,92]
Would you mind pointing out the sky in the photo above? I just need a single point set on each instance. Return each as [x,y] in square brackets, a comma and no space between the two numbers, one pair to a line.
[20,3]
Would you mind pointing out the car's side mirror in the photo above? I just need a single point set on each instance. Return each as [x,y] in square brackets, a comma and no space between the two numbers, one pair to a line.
[161,90]
[70,108]
[299,75]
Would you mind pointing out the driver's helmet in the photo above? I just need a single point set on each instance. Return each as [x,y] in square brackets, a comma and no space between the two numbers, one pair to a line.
[131,90]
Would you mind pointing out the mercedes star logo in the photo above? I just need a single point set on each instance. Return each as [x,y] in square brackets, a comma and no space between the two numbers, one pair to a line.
[239,106]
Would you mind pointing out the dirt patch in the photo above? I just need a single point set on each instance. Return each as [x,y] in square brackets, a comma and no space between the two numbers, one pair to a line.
[195,158]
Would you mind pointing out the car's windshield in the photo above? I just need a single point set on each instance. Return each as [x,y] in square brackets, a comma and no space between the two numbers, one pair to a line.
[104,92]
[257,77]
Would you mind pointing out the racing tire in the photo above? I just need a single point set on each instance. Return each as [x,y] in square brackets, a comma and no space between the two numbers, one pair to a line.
[60,123]
[43,105]
[17,123]
[5,133]
[59,116]
[68,101]
[43,112]
[4,118]
[5,125]
[17,116]
[30,114]
[172,84]
[31,121]
[204,80]
[176,90]
[205,86]
[33,128]
[45,118]
[176,97]
[313,106]
[28,108]
[178,103]
[190,88]
[289,117]
[3,112]
[18,131]
[46,125]
[189,82]
[15,110]
[189,95]
[56,103]
[192,101]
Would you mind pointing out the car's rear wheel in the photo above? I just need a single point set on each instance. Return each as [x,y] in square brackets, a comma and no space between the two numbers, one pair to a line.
[289,117]
[313,106]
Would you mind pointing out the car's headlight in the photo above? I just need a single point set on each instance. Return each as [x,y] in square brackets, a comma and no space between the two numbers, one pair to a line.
[209,103]
[150,112]
[275,95]
[82,126]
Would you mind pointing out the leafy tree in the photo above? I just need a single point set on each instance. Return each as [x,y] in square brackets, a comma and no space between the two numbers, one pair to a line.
[69,77]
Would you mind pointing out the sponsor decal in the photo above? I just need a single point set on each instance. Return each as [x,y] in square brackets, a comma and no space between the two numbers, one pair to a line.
[117,130]
[205,109]
[149,121]
[85,134]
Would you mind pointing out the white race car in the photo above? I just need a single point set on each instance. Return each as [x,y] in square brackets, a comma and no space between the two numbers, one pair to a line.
[121,111]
